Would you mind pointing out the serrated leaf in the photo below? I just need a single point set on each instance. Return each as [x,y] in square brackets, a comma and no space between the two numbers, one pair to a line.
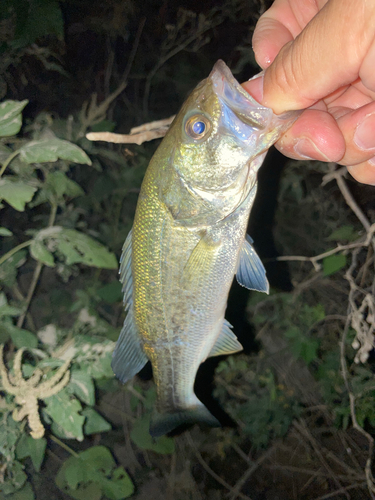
[10,117]
[76,247]
[33,448]
[141,437]
[82,386]
[333,263]
[94,423]
[5,232]
[16,193]
[63,409]
[50,150]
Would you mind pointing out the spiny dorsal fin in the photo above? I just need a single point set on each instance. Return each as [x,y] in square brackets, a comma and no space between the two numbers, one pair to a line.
[251,273]
[128,357]
[227,342]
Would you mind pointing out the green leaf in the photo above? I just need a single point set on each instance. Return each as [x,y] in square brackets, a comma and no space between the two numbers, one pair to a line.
[82,386]
[94,466]
[25,493]
[76,247]
[16,193]
[20,337]
[103,126]
[33,448]
[343,233]
[94,423]
[141,437]
[50,150]
[41,19]
[5,309]
[5,232]
[39,252]
[14,479]
[10,117]
[111,293]
[333,263]
[62,185]
[63,409]
[9,268]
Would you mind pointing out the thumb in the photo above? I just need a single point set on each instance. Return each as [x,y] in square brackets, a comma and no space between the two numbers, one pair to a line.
[325,56]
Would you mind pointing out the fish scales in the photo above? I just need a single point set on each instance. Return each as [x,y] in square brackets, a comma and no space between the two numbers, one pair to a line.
[189,240]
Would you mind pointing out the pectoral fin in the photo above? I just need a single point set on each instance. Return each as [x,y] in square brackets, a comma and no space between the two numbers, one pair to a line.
[200,260]
[128,357]
[227,342]
[251,273]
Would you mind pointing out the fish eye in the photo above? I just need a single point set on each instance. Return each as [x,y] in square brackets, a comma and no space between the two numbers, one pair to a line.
[198,126]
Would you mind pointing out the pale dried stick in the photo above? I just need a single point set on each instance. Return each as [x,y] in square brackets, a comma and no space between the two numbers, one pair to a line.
[138,135]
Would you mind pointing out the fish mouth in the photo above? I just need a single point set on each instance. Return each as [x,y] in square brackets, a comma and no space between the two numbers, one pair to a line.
[248,120]
[230,93]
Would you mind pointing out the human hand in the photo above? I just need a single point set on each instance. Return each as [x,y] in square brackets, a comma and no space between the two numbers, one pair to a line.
[321,55]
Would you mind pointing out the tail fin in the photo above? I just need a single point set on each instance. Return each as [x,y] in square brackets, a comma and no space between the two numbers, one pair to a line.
[163,423]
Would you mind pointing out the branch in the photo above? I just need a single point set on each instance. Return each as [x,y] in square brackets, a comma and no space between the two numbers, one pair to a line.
[339,176]
[138,135]
[339,248]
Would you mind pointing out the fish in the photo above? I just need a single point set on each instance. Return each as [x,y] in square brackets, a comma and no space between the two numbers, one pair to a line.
[189,240]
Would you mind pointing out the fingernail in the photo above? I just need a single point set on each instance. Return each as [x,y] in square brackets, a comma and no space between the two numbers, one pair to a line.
[364,136]
[255,88]
[372,161]
[305,148]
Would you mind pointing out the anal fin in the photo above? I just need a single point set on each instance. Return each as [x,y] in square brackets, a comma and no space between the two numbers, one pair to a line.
[226,343]
[251,273]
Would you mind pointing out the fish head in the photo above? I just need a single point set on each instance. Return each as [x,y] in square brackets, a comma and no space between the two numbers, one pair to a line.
[217,143]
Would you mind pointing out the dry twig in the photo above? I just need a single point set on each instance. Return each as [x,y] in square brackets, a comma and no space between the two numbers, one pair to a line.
[138,135]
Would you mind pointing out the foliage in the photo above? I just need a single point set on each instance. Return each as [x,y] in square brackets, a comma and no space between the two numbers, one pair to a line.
[36,173]
[266,409]
[92,474]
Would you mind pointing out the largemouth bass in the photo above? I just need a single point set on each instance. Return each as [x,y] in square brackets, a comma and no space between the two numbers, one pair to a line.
[189,240]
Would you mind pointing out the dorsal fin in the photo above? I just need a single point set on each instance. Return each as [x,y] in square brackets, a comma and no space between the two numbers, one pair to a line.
[251,273]
[128,357]
[126,272]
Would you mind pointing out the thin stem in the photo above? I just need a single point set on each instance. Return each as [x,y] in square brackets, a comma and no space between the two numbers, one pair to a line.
[8,160]
[65,446]
[15,250]
[37,271]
